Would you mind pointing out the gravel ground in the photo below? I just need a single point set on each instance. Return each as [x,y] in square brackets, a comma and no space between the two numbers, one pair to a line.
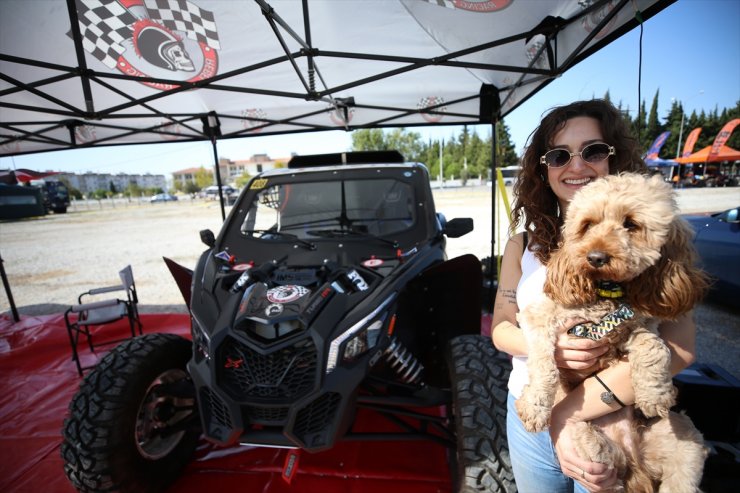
[51,259]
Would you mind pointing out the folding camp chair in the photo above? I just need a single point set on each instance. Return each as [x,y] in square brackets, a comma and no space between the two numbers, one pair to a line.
[94,313]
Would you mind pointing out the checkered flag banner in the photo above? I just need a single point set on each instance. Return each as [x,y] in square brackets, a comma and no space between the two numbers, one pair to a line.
[181,15]
[104,25]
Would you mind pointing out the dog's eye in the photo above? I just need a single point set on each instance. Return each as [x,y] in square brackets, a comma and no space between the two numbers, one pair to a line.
[629,224]
[585,226]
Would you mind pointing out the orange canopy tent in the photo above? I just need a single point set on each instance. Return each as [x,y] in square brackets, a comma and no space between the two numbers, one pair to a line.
[725,154]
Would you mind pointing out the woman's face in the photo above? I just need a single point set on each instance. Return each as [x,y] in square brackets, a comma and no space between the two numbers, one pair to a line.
[565,181]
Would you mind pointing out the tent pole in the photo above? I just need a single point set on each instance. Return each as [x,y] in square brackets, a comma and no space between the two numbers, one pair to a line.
[491,271]
[212,128]
[6,284]
[218,177]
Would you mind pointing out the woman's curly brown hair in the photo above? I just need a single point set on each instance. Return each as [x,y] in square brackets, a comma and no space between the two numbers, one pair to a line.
[535,204]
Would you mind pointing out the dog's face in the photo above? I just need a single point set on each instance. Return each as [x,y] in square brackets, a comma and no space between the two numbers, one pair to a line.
[627,229]
[616,227]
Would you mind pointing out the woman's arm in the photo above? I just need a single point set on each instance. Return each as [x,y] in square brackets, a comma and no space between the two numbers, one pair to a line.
[505,332]
[584,402]
[577,354]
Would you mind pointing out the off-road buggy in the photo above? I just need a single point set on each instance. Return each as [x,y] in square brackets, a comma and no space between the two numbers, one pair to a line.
[327,290]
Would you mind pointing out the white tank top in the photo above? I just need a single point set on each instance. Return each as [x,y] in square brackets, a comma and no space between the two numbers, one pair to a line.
[529,289]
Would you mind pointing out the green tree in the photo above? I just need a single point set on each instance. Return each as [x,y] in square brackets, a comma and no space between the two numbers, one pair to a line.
[191,187]
[505,150]
[242,180]
[203,178]
[368,139]
[133,190]
[654,128]
[399,139]
[673,124]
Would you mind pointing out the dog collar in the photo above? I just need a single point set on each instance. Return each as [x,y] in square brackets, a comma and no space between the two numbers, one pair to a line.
[609,289]
[608,322]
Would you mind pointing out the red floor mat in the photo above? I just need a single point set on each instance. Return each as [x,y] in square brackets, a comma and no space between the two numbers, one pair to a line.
[38,379]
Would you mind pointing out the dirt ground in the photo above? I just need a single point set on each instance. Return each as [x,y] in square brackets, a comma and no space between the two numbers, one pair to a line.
[50,260]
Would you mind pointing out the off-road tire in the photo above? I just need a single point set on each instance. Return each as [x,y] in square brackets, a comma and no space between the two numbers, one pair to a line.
[103,445]
[478,377]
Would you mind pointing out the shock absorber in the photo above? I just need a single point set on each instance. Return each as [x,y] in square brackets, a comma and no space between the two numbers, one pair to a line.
[400,359]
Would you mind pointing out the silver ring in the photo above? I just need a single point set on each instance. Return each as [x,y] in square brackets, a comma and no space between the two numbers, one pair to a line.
[583,474]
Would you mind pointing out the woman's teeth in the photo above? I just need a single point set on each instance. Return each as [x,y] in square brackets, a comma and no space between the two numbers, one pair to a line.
[581,181]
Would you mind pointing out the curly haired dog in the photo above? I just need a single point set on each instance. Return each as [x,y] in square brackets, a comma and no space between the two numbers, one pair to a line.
[626,263]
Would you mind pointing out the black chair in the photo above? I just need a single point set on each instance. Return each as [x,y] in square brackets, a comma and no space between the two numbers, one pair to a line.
[93,313]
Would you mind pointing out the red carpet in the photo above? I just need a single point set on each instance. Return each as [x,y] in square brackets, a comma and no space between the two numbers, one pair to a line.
[38,379]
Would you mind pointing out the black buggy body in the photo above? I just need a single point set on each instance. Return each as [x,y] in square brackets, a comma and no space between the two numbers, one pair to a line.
[327,289]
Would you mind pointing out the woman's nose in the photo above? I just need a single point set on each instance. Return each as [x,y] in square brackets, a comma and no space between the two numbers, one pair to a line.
[577,162]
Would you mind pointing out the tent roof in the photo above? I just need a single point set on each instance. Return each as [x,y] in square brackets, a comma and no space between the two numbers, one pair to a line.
[702,156]
[144,71]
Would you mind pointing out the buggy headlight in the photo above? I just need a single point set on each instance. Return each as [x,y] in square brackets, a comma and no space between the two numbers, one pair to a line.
[363,331]
[201,340]
[362,342]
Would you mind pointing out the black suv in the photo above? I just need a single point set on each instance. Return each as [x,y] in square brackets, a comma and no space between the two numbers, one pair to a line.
[327,290]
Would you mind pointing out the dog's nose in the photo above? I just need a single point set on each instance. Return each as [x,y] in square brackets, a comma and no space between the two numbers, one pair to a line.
[597,259]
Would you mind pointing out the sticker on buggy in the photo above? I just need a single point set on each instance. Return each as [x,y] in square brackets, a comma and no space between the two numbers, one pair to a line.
[224,255]
[357,281]
[241,267]
[274,310]
[286,294]
[373,262]
[258,184]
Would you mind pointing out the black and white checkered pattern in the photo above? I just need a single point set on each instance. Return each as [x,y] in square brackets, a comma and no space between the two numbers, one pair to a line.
[104,25]
[181,15]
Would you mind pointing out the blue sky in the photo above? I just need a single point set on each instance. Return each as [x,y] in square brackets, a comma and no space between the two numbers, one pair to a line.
[691,52]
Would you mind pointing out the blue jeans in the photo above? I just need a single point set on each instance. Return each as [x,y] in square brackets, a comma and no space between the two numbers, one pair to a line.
[533,459]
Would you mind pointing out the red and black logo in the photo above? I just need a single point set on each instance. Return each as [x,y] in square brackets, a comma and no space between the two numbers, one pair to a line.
[169,39]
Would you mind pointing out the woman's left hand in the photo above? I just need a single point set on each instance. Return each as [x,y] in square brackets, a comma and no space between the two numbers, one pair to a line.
[594,476]
[577,354]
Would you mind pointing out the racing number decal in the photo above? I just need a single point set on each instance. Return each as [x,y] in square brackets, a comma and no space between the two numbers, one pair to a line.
[258,184]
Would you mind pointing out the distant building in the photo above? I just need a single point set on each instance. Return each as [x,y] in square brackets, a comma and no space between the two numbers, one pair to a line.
[231,170]
[185,175]
[90,182]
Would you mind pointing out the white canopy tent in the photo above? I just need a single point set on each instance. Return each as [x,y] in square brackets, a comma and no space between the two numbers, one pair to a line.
[77,73]
[81,73]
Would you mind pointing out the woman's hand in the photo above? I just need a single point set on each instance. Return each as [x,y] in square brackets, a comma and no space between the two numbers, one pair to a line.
[579,355]
[594,476]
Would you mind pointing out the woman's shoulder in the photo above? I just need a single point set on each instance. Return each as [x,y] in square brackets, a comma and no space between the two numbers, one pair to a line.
[519,240]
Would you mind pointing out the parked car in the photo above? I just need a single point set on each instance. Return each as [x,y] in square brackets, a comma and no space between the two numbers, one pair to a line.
[163,197]
[718,242]
[328,291]
[230,193]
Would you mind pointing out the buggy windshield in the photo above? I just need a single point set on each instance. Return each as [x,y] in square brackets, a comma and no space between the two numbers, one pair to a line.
[312,210]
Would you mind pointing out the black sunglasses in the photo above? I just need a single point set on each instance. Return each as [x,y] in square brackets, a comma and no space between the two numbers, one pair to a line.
[592,153]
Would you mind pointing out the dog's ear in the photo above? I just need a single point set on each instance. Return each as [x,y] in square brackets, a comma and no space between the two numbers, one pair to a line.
[564,284]
[674,284]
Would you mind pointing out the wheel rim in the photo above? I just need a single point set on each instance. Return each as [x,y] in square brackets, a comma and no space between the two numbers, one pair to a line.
[158,412]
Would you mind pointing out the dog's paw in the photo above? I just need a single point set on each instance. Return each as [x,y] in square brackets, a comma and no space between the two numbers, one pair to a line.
[652,409]
[656,403]
[534,417]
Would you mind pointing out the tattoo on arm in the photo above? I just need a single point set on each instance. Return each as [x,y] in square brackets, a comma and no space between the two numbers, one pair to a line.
[510,295]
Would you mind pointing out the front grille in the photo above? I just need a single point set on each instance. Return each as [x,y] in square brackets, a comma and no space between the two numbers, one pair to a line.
[266,415]
[287,373]
[215,415]
[314,418]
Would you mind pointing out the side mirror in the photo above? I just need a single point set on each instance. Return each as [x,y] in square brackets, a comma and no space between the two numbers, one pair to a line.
[455,228]
[207,237]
